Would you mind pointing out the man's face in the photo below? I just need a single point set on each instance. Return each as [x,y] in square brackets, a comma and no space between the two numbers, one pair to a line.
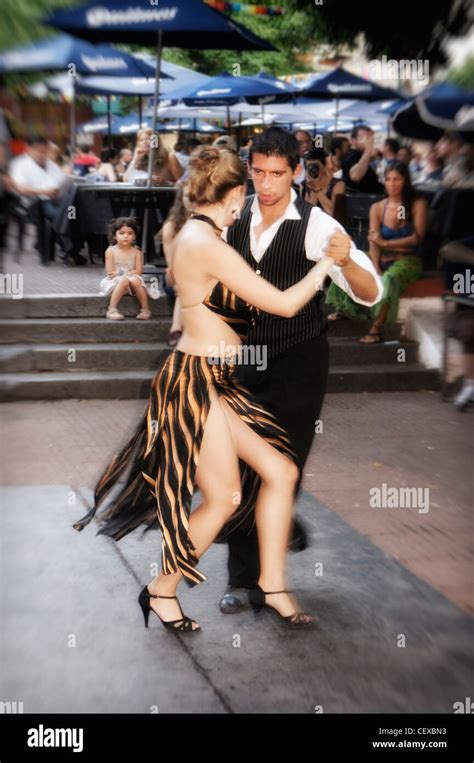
[445,147]
[304,141]
[362,137]
[403,156]
[39,153]
[272,177]
[127,156]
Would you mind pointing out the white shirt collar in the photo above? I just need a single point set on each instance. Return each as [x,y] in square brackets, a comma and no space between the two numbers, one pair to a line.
[291,213]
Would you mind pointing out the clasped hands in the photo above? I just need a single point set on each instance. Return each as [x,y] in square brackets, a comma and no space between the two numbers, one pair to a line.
[336,252]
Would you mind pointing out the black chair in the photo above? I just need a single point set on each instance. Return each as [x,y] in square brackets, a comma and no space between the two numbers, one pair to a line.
[357,217]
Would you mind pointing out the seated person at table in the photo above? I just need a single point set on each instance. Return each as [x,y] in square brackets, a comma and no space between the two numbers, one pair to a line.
[106,172]
[397,229]
[124,267]
[125,159]
[320,186]
[431,170]
[39,182]
[166,168]
[85,161]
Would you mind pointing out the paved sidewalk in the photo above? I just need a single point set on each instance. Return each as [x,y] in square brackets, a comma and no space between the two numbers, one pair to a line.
[74,639]
[53,278]
[74,636]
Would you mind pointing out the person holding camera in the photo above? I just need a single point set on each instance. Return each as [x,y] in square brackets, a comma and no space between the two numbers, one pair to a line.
[320,186]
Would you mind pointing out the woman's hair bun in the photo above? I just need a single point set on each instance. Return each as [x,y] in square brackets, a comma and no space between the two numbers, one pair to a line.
[212,173]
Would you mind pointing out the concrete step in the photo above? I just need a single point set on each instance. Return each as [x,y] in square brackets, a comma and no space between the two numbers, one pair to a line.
[87,356]
[76,384]
[382,378]
[69,331]
[349,350]
[347,327]
[75,306]
[126,356]
[136,384]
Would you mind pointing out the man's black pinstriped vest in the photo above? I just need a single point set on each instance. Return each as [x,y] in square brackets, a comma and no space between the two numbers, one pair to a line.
[283,264]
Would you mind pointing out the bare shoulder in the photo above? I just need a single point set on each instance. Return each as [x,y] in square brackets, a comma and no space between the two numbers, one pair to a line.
[195,238]
[376,207]
[168,230]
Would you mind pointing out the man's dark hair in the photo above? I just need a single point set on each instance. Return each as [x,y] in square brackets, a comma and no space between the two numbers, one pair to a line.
[305,132]
[315,155]
[274,141]
[358,128]
[107,154]
[36,140]
[392,144]
[120,222]
[337,143]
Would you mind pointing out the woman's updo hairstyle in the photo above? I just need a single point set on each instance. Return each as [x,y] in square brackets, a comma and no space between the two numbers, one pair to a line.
[212,173]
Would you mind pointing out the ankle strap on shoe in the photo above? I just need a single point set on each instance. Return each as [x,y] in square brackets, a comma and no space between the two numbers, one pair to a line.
[155,596]
[271,592]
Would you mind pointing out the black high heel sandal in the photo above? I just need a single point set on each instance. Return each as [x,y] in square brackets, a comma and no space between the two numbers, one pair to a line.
[257,601]
[184,624]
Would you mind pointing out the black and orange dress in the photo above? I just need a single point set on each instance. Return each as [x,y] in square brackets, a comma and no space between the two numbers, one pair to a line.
[155,471]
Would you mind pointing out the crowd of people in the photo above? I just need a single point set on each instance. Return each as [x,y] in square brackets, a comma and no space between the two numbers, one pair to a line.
[326,178]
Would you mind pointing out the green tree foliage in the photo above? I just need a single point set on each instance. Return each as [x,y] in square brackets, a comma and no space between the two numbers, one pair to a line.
[463,75]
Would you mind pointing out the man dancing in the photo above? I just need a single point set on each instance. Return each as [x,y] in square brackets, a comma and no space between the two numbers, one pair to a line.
[280,235]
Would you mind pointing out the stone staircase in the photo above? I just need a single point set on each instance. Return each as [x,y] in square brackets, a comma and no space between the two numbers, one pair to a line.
[62,346]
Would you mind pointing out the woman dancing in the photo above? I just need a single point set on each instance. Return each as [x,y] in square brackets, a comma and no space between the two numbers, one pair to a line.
[200,421]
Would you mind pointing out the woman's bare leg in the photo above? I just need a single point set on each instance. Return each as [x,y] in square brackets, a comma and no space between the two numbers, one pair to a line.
[218,479]
[274,503]
[274,508]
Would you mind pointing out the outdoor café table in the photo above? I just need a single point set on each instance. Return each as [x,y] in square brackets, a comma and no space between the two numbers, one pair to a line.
[89,209]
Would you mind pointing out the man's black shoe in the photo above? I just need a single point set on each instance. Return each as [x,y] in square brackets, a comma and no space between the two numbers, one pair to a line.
[299,537]
[234,600]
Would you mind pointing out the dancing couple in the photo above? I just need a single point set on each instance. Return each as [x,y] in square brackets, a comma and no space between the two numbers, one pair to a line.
[202,427]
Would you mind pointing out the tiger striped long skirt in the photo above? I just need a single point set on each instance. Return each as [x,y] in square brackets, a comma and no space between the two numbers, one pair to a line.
[161,458]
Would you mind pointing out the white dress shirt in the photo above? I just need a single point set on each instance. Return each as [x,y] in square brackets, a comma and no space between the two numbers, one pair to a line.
[24,171]
[320,228]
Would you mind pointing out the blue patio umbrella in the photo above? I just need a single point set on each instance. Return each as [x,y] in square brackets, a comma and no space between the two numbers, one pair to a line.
[227,90]
[437,108]
[76,57]
[174,23]
[172,76]
[72,54]
[340,83]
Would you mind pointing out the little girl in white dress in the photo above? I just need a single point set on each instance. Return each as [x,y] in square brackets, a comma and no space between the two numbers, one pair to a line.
[124,267]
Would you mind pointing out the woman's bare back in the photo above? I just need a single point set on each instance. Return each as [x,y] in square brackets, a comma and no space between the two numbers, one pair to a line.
[203,331]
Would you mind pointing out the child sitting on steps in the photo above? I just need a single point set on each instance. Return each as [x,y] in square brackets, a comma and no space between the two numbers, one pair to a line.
[124,267]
